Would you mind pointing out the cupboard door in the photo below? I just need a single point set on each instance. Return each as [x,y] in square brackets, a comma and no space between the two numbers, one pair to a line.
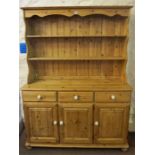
[41,122]
[75,123]
[111,123]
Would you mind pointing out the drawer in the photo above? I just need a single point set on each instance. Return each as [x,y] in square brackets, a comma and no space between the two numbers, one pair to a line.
[112,96]
[75,97]
[39,96]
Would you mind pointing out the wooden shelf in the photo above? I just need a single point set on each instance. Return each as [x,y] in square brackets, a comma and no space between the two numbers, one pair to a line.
[75,58]
[70,36]
[87,84]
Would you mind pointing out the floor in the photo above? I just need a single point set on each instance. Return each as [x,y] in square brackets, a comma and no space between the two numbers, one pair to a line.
[66,151]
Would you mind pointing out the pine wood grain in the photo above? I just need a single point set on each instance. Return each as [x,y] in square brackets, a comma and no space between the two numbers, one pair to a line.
[39,119]
[77,127]
[112,128]
[77,94]
[82,11]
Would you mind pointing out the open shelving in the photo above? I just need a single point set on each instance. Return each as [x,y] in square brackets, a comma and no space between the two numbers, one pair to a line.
[80,47]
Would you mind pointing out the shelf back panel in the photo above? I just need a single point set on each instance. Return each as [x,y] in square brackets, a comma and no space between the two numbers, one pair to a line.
[77,47]
[58,25]
[78,68]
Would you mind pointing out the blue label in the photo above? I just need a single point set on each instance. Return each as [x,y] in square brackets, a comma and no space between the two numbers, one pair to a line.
[22,47]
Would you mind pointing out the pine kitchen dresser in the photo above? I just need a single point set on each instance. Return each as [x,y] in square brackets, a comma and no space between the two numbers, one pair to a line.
[77,94]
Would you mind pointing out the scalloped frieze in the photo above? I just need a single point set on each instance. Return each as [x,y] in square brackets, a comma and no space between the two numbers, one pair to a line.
[80,12]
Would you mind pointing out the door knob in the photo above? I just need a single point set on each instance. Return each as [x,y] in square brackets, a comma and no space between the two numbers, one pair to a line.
[61,123]
[54,122]
[96,123]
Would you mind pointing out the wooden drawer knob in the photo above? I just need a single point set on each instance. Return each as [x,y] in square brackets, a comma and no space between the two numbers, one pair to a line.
[113,97]
[76,97]
[39,97]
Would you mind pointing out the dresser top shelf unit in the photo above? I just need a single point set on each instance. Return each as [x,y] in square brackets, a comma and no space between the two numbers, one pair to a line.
[77,43]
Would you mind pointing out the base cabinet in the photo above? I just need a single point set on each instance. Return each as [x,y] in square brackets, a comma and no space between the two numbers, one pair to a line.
[76,123]
[111,123]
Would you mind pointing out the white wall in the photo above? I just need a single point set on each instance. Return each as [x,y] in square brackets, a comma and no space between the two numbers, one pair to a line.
[131,47]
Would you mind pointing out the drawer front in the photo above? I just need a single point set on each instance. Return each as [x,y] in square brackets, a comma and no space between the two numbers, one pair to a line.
[75,97]
[39,96]
[112,96]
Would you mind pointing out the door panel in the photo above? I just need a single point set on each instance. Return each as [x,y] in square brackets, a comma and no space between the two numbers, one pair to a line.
[77,123]
[40,117]
[112,124]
